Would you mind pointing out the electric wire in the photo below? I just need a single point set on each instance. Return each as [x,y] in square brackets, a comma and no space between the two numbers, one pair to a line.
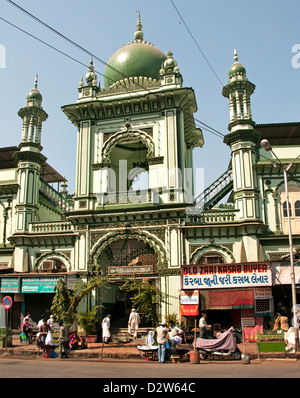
[195,41]
[209,129]
[75,44]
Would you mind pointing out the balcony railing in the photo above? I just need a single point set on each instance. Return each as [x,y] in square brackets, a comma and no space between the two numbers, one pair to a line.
[211,217]
[50,227]
[55,197]
[153,195]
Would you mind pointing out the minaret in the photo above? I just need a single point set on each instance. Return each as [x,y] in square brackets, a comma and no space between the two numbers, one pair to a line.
[30,159]
[242,140]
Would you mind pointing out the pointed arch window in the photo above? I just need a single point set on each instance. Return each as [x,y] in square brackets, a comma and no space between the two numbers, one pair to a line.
[285,213]
[297,208]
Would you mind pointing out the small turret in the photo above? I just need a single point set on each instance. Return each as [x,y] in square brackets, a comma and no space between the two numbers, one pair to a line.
[238,91]
[33,116]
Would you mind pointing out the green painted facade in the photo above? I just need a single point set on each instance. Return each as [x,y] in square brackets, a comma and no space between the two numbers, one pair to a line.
[142,123]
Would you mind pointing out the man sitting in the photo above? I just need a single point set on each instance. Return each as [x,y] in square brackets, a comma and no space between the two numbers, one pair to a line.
[175,334]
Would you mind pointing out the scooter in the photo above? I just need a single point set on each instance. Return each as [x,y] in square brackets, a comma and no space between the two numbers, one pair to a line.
[223,346]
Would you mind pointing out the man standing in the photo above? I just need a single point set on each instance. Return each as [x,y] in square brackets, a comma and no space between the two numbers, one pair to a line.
[133,323]
[203,326]
[106,328]
[63,339]
[162,332]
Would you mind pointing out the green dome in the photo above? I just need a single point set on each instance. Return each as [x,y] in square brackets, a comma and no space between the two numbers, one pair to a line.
[134,59]
[237,68]
[34,95]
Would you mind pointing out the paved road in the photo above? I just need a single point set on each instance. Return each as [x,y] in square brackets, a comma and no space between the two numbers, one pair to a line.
[114,369]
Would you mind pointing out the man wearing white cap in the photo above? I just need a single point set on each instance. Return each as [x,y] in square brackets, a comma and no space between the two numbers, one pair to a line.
[133,323]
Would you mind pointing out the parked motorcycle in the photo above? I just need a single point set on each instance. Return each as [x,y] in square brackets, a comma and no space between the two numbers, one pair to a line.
[223,346]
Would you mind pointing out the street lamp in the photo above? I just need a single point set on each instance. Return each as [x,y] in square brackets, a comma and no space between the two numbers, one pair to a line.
[267,147]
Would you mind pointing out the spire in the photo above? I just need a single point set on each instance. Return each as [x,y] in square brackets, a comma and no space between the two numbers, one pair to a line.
[237,70]
[238,91]
[91,77]
[139,35]
[236,59]
[34,97]
[36,81]
[33,116]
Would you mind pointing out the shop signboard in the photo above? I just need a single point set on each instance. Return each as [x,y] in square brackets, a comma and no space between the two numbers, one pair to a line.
[9,285]
[39,285]
[189,302]
[189,297]
[261,293]
[248,322]
[232,275]
[130,270]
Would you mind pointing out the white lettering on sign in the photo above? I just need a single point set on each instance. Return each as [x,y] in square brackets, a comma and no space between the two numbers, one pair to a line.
[226,275]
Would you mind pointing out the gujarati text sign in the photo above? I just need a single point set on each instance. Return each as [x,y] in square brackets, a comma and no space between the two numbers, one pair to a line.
[226,275]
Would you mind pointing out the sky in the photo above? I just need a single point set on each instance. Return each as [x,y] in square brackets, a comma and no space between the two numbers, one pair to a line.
[202,36]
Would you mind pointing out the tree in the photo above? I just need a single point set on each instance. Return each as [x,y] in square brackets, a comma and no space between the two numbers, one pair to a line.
[65,302]
[146,297]
[61,303]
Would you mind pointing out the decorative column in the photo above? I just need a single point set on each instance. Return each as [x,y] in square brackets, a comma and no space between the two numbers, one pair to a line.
[30,159]
[242,140]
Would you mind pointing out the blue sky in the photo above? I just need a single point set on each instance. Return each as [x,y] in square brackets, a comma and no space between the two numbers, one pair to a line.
[264,32]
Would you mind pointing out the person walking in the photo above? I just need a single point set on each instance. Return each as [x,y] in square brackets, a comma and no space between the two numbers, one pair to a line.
[133,323]
[51,323]
[106,328]
[62,340]
[161,339]
[43,331]
[203,326]
[26,329]
[30,326]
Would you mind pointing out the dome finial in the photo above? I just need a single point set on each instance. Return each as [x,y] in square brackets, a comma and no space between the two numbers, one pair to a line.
[139,35]
[235,57]
[36,81]
[34,97]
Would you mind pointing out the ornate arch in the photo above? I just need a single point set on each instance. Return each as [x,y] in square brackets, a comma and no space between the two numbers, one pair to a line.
[106,240]
[53,256]
[208,249]
[120,136]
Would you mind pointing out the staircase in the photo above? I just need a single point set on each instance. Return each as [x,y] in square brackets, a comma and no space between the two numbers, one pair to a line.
[119,331]
[214,193]
[121,335]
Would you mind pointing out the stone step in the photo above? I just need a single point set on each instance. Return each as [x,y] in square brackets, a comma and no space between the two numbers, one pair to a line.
[121,334]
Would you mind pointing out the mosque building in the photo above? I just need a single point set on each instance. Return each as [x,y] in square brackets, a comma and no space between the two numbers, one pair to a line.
[230,260]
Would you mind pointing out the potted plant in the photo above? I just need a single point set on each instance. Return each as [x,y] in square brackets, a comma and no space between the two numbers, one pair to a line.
[88,321]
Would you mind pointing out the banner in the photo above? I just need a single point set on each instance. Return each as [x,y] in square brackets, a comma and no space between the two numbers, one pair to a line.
[226,275]
[189,310]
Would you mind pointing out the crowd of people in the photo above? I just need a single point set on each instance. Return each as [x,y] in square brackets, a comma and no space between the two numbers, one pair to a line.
[45,328]
[166,335]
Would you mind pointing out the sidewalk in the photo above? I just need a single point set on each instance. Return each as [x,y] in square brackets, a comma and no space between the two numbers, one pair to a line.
[119,351]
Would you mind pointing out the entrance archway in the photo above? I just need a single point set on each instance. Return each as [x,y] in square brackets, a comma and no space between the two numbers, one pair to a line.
[124,256]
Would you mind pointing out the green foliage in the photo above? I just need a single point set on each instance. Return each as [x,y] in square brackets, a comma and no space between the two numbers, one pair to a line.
[88,320]
[146,297]
[172,317]
[61,303]
[65,302]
